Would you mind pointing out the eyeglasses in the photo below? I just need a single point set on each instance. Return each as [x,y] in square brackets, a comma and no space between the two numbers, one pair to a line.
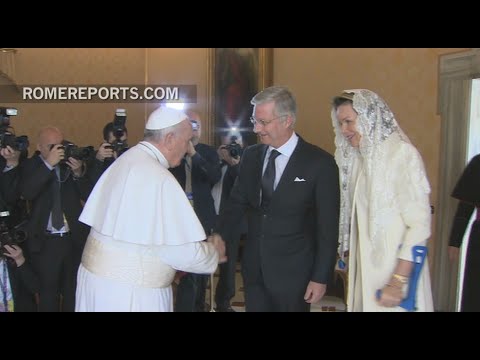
[195,124]
[263,122]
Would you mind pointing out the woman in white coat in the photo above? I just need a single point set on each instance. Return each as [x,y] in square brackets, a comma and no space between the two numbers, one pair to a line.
[385,208]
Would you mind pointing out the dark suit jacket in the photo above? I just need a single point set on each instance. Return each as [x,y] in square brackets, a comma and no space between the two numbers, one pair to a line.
[205,173]
[10,195]
[9,184]
[228,181]
[36,185]
[294,241]
[24,283]
[227,185]
[95,168]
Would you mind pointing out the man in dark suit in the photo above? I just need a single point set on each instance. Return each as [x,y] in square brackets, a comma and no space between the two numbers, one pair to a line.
[289,190]
[10,163]
[198,172]
[56,188]
[23,282]
[225,290]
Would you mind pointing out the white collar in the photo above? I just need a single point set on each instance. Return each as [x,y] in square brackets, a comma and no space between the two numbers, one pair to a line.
[287,148]
[154,152]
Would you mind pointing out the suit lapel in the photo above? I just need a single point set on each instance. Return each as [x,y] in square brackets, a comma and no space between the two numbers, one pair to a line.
[291,169]
[258,167]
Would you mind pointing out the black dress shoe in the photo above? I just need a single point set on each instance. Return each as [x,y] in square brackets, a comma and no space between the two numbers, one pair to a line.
[224,309]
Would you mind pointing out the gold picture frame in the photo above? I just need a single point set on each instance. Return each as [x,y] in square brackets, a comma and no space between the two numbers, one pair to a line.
[234,76]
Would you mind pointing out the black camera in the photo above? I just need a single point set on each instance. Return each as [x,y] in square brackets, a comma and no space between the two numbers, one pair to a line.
[119,122]
[119,130]
[77,152]
[19,143]
[7,138]
[234,148]
[11,236]
[118,146]
[72,150]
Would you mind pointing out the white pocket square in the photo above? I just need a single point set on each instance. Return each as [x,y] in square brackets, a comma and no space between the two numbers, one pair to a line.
[298,179]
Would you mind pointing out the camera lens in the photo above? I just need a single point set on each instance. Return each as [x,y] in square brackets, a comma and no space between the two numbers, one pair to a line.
[234,152]
[19,236]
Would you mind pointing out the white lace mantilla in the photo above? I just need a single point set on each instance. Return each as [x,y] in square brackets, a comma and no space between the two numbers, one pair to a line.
[382,143]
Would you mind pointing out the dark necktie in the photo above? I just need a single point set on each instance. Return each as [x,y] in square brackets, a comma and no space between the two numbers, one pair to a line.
[268,179]
[57,213]
[188,178]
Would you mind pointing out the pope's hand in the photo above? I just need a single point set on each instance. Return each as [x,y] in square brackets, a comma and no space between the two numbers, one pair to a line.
[219,244]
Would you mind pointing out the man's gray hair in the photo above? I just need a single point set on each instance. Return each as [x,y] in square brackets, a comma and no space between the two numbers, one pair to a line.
[285,103]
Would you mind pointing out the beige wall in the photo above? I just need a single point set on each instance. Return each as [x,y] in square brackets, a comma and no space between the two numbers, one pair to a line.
[405,78]
[180,67]
[81,123]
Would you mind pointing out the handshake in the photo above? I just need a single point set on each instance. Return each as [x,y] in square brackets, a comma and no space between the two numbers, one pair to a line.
[219,245]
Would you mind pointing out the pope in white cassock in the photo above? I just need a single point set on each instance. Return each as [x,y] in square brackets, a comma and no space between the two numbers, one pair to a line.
[143,227]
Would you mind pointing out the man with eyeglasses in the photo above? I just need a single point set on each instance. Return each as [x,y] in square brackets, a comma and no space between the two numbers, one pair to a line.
[289,190]
[198,172]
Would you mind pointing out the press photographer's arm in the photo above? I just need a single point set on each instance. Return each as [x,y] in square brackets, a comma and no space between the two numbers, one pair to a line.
[15,253]
[9,178]
[22,281]
[11,156]
[26,281]
[225,154]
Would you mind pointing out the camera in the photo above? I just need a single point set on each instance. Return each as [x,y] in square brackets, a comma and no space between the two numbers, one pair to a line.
[234,148]
[72,150]
[119,123]
[7,138]
[11,236]
[19,143]
[118,146]
[77,152]
[119,130]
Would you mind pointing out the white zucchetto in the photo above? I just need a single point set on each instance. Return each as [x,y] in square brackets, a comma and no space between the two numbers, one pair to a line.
[164,117]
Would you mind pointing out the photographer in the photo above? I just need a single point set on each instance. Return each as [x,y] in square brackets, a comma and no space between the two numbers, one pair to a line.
[56,187]
[115,136]
[230,155]
[9,192]
[13,151]
[18,282]
[197,174]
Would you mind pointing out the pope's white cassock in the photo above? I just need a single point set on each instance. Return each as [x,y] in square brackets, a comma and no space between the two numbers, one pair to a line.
[143,229]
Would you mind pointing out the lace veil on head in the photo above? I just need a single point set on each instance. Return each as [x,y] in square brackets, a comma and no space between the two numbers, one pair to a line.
[375,123]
